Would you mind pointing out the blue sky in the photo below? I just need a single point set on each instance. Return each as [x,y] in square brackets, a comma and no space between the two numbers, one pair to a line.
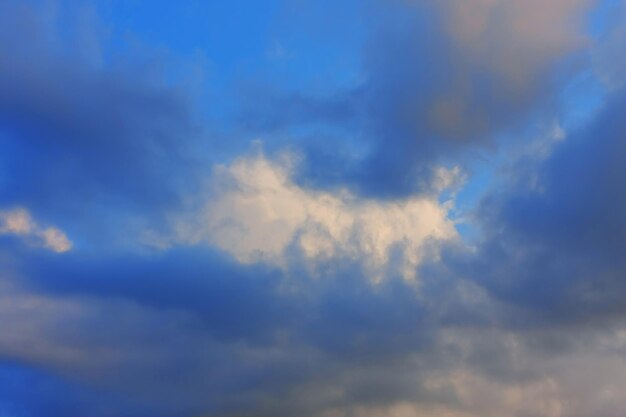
[312,208]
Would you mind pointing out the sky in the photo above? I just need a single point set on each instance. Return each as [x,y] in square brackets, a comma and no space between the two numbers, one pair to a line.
[312,208]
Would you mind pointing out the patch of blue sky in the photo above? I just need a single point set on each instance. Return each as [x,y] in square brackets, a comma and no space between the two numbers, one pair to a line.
[603,17]
[478,183]
[293,44]
[580,100]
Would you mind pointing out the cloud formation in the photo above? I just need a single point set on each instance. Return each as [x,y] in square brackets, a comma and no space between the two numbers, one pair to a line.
[328,275]
[258,214]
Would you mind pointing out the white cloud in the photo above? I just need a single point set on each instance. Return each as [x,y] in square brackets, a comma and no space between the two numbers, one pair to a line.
[258,213]
[19,222]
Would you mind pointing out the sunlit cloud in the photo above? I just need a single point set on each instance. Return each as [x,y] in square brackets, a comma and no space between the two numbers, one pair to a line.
[258,213]
[18,222]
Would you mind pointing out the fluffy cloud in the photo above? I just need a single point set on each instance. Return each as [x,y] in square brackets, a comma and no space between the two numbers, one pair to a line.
[257,213]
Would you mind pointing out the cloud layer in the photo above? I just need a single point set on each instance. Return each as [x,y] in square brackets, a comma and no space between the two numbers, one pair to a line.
[408,243]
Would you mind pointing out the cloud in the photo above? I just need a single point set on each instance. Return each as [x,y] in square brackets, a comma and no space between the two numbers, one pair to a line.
[517,40]
[446,78]
[336,347]
[101,370]
[18,222]
[258,213]
[95,323]
[253,295]
[558,241]
[438,82]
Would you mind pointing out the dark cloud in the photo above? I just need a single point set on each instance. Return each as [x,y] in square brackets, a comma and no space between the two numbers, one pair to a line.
[233,301]
[214,335]
[525,323]
[440,80]
[556,232]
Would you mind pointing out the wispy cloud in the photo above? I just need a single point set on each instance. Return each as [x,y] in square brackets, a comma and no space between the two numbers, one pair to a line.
[18,222]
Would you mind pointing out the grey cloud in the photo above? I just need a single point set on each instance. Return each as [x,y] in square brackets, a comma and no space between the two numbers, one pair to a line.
[528,323]
[556,248]
[441,81]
